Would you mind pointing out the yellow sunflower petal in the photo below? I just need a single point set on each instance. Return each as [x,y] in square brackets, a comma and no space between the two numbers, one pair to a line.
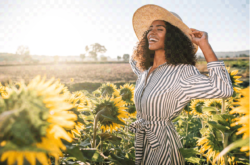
[31,157]
[19,158]
[234,72]
[42,158]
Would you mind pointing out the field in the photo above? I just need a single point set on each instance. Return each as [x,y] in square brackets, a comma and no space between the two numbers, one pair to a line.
[72,119]
[92,75]
[80,72]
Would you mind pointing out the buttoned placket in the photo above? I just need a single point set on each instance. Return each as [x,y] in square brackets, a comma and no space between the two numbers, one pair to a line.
[146,83]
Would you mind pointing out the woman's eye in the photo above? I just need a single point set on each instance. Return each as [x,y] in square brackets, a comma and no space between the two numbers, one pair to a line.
[157,29]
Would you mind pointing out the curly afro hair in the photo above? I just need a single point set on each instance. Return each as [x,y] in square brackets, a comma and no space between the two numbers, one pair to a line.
[178,49]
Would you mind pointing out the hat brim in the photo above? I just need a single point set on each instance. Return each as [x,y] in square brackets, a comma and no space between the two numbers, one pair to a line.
[145,15]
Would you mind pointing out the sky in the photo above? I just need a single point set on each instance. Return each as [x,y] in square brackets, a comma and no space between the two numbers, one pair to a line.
[65,27]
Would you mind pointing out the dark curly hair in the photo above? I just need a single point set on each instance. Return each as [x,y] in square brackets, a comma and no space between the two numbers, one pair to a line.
[178,49]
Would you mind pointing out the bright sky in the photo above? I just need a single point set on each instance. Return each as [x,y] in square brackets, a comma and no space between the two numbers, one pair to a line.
[65,27]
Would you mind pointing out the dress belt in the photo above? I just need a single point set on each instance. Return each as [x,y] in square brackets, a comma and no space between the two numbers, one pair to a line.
[143,128]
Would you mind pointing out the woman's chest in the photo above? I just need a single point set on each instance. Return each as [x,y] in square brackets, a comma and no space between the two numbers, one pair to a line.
[158,82]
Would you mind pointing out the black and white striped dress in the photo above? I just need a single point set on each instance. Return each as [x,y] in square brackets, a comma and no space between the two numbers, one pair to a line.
[167,91]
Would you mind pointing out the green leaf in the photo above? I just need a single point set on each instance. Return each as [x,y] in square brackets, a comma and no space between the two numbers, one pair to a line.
[120,160]
[176,119]
[218,126]
[111,138]
[218,135]
[189,152]
[85,143]
[209,109]
[75,152]
[220,120]
[193,160]
[6,120]
[71,158]
[203,130]
[110,118]
[89,117]
[92,154]
[234,145]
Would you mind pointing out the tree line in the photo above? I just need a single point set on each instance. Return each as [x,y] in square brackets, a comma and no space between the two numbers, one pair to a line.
[91,51]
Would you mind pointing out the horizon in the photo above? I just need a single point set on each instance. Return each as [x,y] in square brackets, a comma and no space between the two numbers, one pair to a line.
[72,26]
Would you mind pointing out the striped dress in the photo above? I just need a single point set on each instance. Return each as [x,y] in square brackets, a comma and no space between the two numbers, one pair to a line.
[168,90]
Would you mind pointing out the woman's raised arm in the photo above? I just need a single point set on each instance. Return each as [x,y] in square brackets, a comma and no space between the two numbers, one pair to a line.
[136,70]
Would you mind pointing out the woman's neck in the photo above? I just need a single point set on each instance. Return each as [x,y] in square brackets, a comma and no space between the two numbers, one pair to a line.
[159,58]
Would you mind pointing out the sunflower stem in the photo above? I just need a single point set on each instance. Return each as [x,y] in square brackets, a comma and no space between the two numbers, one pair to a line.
[56,161]
[187,125]
[95,129]
[225,143]
[223,109]
[202,125]
[225,135]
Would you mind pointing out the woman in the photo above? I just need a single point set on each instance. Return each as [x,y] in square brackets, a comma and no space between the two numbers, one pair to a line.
[164,61]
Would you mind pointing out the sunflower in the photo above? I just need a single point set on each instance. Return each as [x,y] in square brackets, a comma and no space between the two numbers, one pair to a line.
[97,93]
[244,119]
[196,106]
[114,112]
[132,110]
[108,89]
[76,98]
[77,130]
[80,101]
[37,115]
[235,79]
[127,93]
[217,103]
[86,102]
[3,91]
[212,146]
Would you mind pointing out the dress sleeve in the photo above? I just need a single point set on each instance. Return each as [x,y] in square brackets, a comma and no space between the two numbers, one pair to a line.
[194,85]
[136,70]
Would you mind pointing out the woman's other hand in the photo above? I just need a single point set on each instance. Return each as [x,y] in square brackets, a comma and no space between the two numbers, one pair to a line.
[198,37]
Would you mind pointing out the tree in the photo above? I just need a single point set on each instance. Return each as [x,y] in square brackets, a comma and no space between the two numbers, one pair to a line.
[103,58]
[118,58]
[23,50]
[82,56]
[86,48]
[126,57]
[93,55]
[95,49]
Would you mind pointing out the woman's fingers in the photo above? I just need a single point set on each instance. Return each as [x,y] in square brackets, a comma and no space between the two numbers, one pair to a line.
[192,29]
[196,32]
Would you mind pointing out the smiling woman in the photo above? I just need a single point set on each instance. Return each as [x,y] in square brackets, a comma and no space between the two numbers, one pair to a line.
[176,45]
[164,62]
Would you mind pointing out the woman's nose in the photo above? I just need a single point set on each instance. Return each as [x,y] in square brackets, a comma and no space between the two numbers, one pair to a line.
[153,31]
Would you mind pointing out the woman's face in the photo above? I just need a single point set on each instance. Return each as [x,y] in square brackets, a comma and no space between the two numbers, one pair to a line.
[156,35]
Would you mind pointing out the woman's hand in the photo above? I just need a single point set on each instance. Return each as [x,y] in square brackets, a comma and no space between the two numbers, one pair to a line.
[198,37]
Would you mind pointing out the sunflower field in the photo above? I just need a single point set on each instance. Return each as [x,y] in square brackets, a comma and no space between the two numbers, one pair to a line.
[42,122]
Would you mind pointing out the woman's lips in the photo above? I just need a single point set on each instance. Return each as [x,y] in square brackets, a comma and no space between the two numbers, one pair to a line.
[152,42]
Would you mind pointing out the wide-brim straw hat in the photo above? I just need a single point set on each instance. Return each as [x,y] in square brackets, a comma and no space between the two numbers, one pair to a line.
[145,15]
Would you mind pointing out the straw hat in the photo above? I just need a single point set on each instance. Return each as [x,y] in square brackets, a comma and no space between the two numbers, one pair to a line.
[145,15]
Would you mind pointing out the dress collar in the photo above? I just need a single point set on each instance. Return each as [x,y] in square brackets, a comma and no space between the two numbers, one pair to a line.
[158,66]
